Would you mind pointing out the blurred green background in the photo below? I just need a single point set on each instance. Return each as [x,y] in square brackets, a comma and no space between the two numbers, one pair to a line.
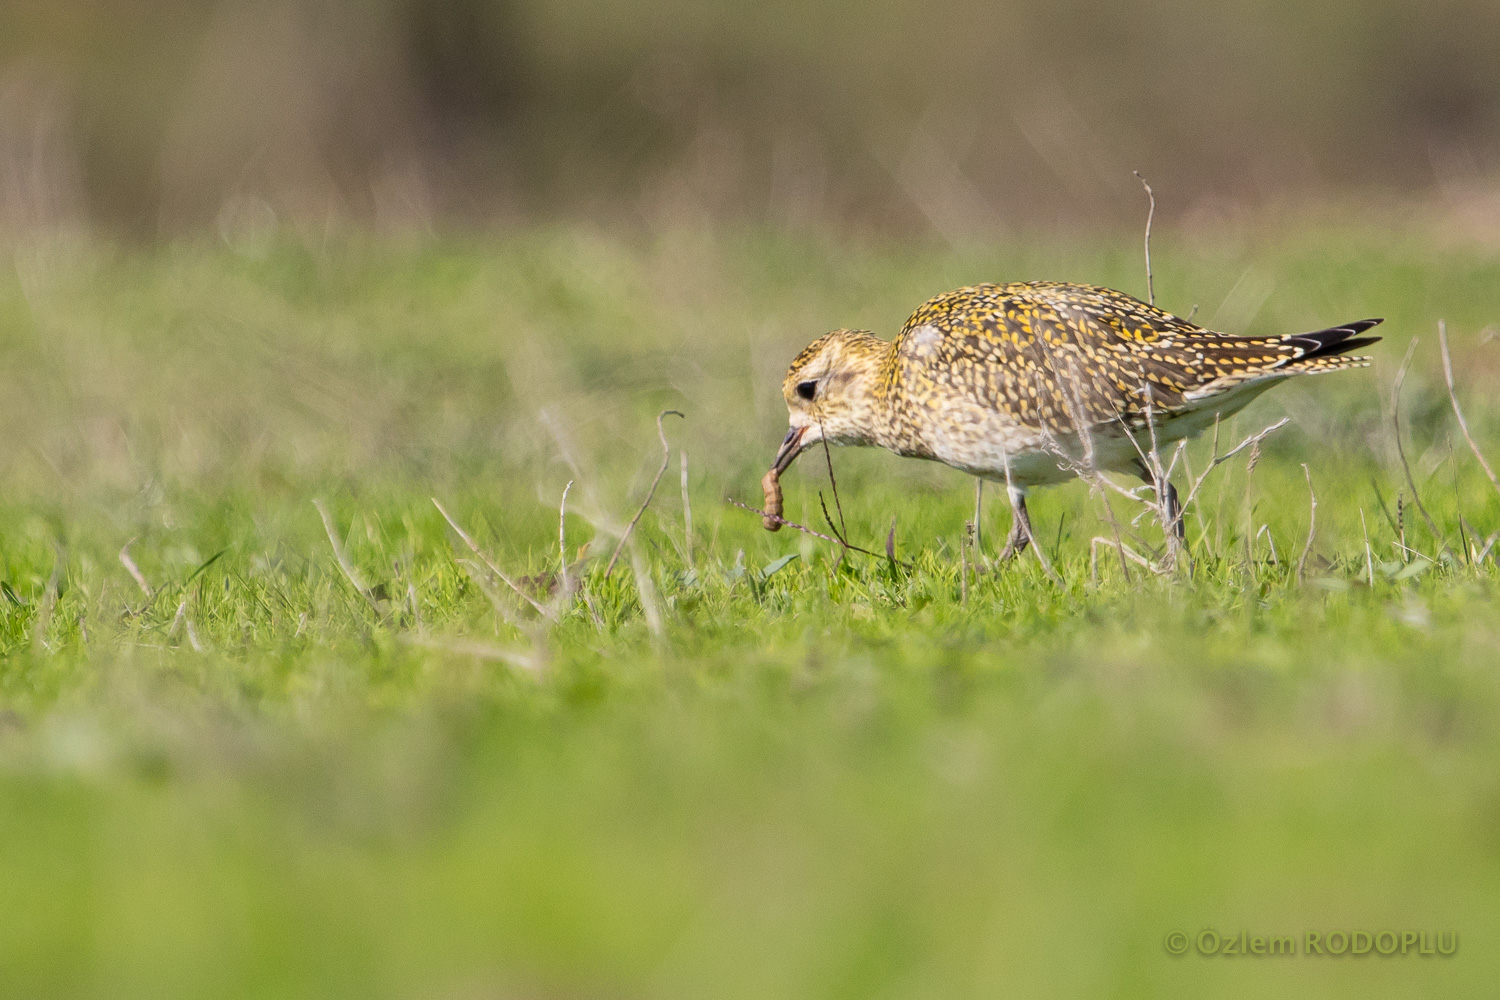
[961,116]
[257,255]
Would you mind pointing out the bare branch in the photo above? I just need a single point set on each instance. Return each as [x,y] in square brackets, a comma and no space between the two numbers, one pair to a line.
[1463,424]
[666,455]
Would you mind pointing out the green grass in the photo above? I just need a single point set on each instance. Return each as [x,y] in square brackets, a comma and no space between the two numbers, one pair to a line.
[837,779]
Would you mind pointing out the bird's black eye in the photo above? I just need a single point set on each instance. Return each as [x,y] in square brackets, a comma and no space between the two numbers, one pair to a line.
[807,389]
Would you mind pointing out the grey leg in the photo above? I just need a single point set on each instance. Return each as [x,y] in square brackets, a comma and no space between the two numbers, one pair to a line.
[1020,526]
[1174,508]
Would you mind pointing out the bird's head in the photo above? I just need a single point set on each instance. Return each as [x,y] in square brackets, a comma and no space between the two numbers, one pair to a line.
[832,392]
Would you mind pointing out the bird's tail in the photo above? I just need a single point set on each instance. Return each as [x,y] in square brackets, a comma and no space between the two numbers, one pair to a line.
[1328,350]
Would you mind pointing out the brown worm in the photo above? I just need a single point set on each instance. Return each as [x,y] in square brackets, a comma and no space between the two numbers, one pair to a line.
[771,484]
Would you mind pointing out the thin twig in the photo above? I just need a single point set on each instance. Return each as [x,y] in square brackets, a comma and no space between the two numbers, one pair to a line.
[823,505]
[1463,424]
[1253,440]
[1312,523]
[133,569]
[1401,451]
[562,536]
[832,482]
[816,534]
[474,547]
[1150,214]
[666,455]
[342,557]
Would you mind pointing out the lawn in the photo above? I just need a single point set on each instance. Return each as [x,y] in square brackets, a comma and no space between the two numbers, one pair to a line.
[735,764]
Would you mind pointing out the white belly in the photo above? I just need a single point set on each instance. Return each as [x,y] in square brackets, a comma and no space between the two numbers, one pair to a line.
[986,444]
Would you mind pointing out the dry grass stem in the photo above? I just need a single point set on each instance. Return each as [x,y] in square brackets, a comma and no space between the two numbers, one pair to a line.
[1124,550]
[646,590]
[474,547]
[49,603]
[478,650]
[687,511]
[809,531]
[133,569]
[1265,529]
[1150,214]
[666,456]
[1369,557]
[1312,523]
[1463,425]
[562,539]
[963,562]
[1401,450]
[1253,441]
[476,573]
[1488,544]
[833,484]
[342,558]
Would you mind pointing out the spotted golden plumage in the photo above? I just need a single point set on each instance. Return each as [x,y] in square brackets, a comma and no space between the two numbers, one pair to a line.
[1007,381]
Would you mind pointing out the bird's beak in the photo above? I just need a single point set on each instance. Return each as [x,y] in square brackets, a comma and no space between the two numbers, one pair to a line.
[791,447]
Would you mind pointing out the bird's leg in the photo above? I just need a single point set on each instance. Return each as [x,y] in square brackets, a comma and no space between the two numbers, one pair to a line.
[1167,492]
[1020,526]
[1174,513]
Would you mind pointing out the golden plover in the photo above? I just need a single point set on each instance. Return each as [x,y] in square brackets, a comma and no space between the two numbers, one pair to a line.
[1007,381]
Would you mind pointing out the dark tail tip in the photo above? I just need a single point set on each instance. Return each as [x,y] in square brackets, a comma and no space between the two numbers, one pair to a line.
[1335,340]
